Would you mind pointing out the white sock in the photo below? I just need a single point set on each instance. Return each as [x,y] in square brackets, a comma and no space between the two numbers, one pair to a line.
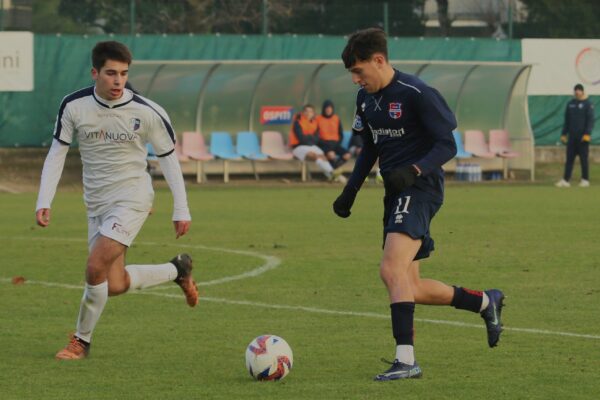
[145,276]
[325,166]
[405,353]
[485,301]
[92,304]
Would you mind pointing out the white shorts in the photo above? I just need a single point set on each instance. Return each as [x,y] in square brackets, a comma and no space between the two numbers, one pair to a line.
[120,224]
[300,152]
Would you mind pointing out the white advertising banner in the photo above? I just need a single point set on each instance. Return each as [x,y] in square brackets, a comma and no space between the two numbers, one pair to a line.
[559,64]
[16,61]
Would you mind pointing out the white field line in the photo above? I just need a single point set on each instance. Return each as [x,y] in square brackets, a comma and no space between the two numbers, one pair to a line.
[270,262]
[323,311]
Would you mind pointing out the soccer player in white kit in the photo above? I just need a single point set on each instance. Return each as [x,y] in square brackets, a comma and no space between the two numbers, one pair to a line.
[112,125]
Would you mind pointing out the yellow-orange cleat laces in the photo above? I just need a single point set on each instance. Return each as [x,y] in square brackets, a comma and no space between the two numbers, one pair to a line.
[77,349]
[183,263]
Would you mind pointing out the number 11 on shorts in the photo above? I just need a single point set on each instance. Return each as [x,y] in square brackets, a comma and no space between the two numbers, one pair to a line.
[400,209]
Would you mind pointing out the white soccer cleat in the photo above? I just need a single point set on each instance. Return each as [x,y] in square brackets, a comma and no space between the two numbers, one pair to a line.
[562,184]
[584,183]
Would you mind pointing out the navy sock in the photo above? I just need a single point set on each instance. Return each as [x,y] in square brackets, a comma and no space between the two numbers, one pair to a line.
[466,299]
[403,315]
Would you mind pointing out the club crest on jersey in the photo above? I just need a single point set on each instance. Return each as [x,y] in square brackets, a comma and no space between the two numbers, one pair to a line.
[358,124]
[135,124]
[395,110]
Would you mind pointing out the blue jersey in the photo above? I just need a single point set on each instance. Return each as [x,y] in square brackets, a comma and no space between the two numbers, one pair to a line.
[405,123]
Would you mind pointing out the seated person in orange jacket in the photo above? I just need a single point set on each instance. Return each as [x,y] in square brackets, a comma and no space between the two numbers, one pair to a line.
[304,136]
[331,135]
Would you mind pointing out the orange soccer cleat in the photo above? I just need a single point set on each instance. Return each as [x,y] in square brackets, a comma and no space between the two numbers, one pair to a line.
[77,349]
[183,263]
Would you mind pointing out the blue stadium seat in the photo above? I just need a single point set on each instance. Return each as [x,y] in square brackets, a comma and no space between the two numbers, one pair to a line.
[221,145]
[460,148]
[151,153]
[248,146]
[347,135]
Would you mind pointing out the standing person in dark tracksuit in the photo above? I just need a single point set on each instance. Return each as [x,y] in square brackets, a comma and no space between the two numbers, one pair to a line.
[576,134]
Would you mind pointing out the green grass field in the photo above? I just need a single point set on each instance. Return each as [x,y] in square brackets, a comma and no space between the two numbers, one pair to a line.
[537,243]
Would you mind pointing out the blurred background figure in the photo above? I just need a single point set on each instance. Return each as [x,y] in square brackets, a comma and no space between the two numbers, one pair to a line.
[576,134]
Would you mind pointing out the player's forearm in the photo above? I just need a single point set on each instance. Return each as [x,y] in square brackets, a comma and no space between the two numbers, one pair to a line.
[171,170]
[364,163]
[53,167]
[442,152]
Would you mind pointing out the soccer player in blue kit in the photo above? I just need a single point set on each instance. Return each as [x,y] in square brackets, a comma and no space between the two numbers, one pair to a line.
[408,126]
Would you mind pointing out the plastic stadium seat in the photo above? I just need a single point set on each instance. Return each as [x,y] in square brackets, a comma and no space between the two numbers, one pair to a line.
[151,153]
[221,146]
[347,135]
[178,151]
[500,144]
[274,146]
[193,146]
[475,143]
[248,146]
[460,147]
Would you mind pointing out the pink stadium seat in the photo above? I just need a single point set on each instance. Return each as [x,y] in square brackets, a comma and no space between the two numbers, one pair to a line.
[475,144]
[500,144]
[274,146]
[180,156]
[194,147]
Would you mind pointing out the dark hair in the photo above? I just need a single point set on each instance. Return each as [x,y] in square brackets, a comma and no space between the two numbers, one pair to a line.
[363,44]
[307,106]
[579,86]
[110,50]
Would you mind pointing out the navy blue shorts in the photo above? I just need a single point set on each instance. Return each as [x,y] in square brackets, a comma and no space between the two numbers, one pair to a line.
[411,213]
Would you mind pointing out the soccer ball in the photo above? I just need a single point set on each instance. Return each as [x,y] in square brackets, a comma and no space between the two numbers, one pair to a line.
[269,358]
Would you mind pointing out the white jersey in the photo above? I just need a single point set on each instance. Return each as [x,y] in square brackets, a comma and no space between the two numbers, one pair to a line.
[112,137]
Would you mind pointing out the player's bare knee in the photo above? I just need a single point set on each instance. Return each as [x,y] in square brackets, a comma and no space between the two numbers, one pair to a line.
[392,271]
[95,272]
[117,288]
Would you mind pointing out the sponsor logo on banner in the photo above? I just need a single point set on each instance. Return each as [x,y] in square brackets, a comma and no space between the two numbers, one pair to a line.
[558,64]
[587,65]
[276,115]
[16,61]
[395,110]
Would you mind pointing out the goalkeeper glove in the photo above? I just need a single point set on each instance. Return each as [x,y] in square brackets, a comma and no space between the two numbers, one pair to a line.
[563,139]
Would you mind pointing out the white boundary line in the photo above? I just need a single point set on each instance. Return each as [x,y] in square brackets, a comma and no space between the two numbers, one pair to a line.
[322,310]
[271,262]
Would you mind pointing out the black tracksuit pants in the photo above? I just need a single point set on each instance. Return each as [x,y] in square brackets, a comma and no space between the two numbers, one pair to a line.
[577,148]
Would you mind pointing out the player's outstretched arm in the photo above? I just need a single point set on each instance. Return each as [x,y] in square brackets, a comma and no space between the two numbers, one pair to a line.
[53,167]
[171,170]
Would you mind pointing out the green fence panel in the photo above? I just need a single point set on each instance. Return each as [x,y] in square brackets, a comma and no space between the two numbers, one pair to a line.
[62,65]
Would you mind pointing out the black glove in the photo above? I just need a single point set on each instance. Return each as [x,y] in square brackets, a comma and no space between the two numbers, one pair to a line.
[399,179]
[343,204]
